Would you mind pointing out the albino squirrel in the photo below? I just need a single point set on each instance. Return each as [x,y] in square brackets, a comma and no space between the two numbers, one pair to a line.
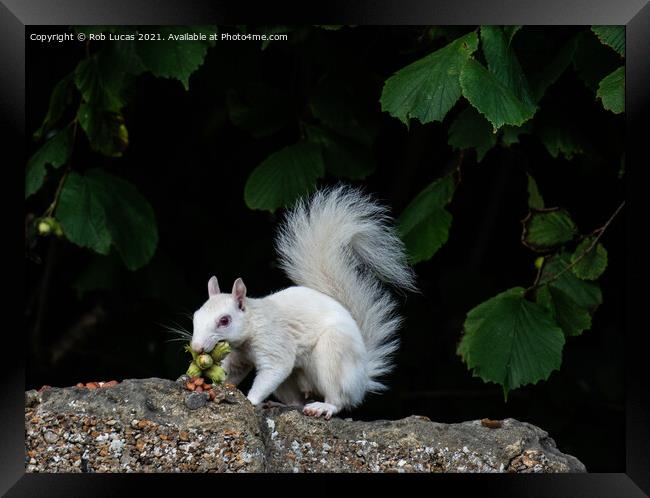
[333,334]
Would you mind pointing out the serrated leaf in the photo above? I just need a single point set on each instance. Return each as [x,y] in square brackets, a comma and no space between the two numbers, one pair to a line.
[535,199]
[589,265]
[492,98]
[585,293]
[470,130]
[547,229]
[511,341]
[612,36]
[59,101]
[429,87]
[593,60]
[343,157]
[503,63]
[106,131]
[424,224]
[571,318]
[559,139]
[98,210]
[55,152]
[284,176]
[176,59]
[99,84]
[611,91]
[510,134]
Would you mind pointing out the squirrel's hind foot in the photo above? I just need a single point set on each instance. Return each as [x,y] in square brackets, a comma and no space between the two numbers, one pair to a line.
[318,409]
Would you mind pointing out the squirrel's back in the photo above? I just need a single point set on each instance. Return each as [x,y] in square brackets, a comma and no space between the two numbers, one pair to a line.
[342,243]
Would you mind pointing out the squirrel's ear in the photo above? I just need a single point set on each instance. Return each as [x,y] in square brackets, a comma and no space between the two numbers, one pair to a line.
[213,286]
[239,293]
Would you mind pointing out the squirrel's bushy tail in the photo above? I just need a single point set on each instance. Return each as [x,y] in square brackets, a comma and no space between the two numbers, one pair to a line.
[342,243]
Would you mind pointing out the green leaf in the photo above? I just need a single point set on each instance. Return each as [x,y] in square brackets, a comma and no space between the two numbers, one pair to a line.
[55,152]
[470,130]
[611,91]
[569,316]
[509,32]
[510,134]
[585,293]
[424,224]
[559,138]
[98,210]
[492,98]
[547,229]
[82,215]
[503,63]
[284,176]
[589,265]
[59,100]
[544,75]
[535,199]
[343,157]
[169,58]
[106,131]
[100,85]
[511,341]
[429,87]
[612,36]
[593,60]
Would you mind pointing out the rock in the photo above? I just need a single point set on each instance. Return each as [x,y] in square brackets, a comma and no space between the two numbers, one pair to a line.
[50,437]
[412,444]
[195,401]
[153,425]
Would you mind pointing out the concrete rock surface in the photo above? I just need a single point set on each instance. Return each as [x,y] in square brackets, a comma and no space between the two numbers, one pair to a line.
[147,425]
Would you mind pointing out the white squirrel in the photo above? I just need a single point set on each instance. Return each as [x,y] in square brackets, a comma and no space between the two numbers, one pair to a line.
[333,334]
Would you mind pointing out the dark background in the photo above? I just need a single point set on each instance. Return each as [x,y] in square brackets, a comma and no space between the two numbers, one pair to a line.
[89,318]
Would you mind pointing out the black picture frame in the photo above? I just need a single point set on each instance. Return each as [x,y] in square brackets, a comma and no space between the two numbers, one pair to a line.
[16,15]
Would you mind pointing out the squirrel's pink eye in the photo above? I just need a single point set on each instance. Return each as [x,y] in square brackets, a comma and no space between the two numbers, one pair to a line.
[224,321]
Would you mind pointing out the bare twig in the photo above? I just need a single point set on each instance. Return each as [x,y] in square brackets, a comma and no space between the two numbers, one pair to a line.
[598,232]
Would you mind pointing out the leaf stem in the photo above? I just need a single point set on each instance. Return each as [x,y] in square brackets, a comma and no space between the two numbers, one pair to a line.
[50,209]
[599,231]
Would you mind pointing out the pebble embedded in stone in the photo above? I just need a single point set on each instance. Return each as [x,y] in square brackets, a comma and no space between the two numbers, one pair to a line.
[195,401]
[50,437]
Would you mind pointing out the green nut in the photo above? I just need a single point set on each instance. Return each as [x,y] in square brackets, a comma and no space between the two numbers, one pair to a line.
[44,228]
[204,361]
[191,351]
[216,374]
[193,370]
[220,351]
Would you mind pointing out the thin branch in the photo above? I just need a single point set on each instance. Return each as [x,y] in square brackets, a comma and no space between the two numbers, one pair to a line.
[50,209]
[600,231]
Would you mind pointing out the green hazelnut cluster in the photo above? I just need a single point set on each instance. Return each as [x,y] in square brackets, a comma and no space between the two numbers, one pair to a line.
[209,364]
[48,226]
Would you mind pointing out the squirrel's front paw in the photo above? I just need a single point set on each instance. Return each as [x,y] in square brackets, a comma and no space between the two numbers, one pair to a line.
[317,409]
